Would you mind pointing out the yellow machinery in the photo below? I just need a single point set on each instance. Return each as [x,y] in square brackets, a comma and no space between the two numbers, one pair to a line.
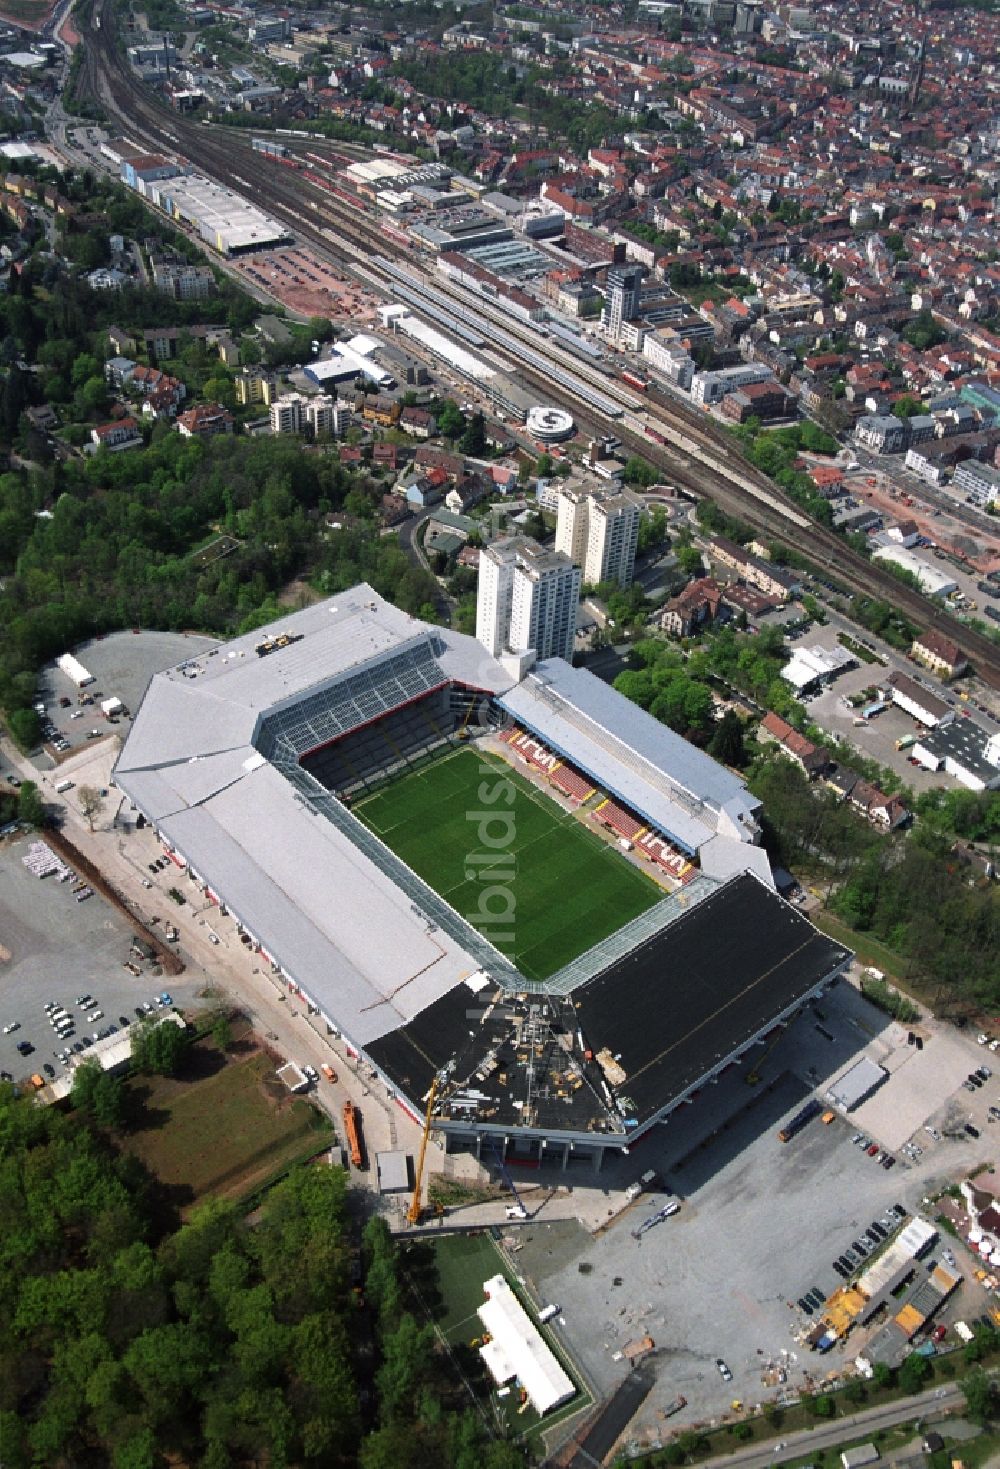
[414,1212]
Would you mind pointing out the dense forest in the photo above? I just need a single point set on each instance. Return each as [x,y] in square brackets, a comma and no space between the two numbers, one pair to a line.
[214,1344]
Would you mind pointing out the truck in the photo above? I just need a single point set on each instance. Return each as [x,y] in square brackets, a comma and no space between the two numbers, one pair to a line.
[62,786]
[547,1313]
[351,1133]
[328,1072]
[801,1119]
[964,1330]
[906,742]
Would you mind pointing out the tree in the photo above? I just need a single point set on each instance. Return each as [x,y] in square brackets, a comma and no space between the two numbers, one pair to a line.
[689,560]
[222,1033]
[450,420]
[914,1372]
[980,1395]
[726,743]
[91,803]
[158,1046]
[98,1093]
[25,727]
[473,440]
[30,808]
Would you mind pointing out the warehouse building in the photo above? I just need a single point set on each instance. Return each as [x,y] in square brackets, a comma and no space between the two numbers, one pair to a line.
[933,582]
[857,1084]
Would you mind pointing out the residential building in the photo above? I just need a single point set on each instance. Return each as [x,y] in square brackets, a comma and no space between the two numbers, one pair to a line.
[882,433]
[813,759]
[979,482]
[621,298]
[939,653]
[599,533]
[326,415]
[123,433]
[527,599]
[711,387]
[287,414]
[772,580]
[255,386]
[698,603]
[205,421]
[182,281]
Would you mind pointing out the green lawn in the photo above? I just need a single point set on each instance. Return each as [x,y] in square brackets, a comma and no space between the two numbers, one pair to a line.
[463,1263]
[563,888]
[223,1127]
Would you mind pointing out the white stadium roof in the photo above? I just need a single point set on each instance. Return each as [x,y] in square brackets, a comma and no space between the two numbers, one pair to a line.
[674,785]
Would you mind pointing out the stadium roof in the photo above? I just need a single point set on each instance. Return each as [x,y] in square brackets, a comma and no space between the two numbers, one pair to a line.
[630,753]
[192,765]
[680,1004]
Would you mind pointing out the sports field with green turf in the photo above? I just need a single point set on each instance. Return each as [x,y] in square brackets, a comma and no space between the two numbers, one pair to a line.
[466,823]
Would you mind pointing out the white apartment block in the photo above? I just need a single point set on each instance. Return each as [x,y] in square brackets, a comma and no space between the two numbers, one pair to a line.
[527,599]
[599,533]
[669,359]
[325,415]
[287,414]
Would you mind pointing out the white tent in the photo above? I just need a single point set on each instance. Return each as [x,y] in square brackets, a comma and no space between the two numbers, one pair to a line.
[516,1349]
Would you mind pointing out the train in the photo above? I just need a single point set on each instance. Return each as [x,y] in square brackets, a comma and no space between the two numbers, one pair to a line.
[634,379]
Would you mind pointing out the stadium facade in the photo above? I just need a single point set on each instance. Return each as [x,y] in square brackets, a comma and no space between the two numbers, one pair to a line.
[246,760]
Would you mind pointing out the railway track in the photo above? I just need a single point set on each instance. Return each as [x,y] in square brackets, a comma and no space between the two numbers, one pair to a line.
[693,455]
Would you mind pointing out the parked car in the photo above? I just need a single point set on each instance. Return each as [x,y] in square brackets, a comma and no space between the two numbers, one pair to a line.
[724,1371]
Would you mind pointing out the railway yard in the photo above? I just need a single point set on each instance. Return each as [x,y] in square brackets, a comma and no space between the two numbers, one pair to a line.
[691,451]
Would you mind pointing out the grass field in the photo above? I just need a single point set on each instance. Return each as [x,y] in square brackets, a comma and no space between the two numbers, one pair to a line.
[221,1129]
[463,1263]
[564,888]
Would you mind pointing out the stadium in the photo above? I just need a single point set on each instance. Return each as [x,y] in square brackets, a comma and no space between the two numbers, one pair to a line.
[513,880]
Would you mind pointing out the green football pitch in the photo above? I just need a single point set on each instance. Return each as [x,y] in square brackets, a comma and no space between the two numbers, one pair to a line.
[524,872]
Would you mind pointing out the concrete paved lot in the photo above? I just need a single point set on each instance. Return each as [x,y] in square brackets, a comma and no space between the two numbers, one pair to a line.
[760,1222]
[876,739]
[122,664]
[59,949]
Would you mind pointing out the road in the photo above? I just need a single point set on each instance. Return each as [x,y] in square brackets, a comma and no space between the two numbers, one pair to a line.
[842,1430]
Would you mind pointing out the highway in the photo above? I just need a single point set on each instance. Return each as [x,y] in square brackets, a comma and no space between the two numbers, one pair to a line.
[695,453]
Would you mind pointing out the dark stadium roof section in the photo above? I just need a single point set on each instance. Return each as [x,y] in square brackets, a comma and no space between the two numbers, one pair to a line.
[511,1062]
[683,1003]
[630,1043]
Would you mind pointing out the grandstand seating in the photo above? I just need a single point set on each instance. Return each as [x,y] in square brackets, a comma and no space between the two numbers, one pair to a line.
[660,851]
[572,784]
[384,747]
[622,822]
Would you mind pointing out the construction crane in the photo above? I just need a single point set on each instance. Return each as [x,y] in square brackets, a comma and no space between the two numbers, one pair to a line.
[517,1209]
[415,1210]
[753,1075]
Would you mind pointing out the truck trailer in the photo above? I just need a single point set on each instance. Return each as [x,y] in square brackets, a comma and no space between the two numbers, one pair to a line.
[801,1119]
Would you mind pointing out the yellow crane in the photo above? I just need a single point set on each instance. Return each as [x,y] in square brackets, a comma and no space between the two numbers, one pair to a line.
[753,1075]
[415,1210]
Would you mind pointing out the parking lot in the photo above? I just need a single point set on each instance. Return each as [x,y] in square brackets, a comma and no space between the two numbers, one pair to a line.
[761,1222]
[877,737]
[56,949]
[122,664]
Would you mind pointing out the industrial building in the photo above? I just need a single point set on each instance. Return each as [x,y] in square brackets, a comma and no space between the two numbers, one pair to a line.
[962,749]
[856,1084]
[811,668]
[933,582]
[244,761]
